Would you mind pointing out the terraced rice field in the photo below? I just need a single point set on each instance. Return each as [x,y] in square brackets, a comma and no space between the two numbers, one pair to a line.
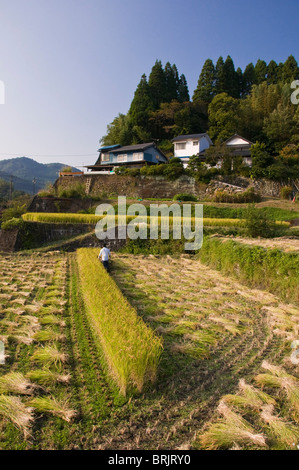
[285,244]
[225,368]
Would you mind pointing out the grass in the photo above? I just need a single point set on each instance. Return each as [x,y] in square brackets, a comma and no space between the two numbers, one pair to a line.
[131,348]
[273,270]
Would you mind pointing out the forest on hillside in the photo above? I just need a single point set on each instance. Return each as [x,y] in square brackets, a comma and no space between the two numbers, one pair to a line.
[254,103]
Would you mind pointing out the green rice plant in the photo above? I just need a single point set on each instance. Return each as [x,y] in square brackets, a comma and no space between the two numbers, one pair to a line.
[48,355]
[47,377]
[48,335]
[285,433]
[91,219]
[14,410]
[54,407]
[51,320]
[15,382]
[131,348]
[230,430]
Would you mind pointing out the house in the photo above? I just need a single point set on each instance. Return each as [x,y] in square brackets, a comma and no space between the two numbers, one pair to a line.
[240,147]
[130,156]
[187,145]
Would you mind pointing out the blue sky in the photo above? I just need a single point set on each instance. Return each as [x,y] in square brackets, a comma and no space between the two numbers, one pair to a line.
[70,66]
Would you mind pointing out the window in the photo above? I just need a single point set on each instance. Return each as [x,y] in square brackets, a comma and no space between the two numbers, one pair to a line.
[122,157]
[138,156]
[105,157]
[195,142]
[181,146]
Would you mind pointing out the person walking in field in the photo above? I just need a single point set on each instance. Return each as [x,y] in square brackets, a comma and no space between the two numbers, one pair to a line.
[105,254]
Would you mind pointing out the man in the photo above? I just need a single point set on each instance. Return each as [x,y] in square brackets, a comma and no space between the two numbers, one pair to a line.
[104,254]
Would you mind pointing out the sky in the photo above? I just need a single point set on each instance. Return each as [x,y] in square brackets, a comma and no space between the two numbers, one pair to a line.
[69,67]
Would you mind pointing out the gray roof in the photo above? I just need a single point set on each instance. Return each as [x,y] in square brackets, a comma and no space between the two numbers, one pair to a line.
[191,136]
[129,148]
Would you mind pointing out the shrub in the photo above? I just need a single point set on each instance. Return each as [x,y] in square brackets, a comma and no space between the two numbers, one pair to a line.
[14,212]
[185,197]
[286,192]
[12,224]
[247,196]
[127,171]
[258,224]
[76,191]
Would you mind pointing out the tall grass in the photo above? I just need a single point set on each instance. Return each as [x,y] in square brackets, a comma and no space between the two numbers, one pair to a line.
[131,348]
[273,270]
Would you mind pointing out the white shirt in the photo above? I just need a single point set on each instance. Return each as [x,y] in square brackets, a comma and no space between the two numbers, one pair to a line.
[104,253]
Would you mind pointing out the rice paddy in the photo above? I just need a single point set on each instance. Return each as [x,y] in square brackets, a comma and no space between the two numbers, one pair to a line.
[221,377]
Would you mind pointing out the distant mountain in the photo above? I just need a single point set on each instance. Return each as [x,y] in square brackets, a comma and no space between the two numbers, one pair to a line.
[24,170]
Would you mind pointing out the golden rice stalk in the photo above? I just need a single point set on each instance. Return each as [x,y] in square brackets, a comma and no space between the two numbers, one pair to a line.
[255,396]
[285,433]
[48,335]
[54,407]
[232,430]
[48,355]
[47,377]
[278,378]
[15,382]
[12,408]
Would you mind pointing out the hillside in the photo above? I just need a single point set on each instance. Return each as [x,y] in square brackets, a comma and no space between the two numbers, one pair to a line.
[24,169]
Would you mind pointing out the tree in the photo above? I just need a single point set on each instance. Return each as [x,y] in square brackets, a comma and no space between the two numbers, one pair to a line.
[172,82]
[4,189]
[157,85]
[119,131]
[220,76]
[249,78]
[141,105]
[177,118]
[260,70]
[240,81]
[223,117]
[272,73]
[279,125]
[231,82]
[220,155]
[290,70]
[205,90]
[261,160]
[258,105]
[183,92]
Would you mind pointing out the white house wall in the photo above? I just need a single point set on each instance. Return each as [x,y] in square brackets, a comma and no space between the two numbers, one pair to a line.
[188,151]
[237,141]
